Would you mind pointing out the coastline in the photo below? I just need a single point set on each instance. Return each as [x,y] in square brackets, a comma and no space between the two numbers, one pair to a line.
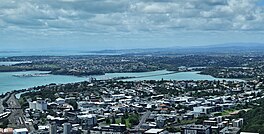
[139,76]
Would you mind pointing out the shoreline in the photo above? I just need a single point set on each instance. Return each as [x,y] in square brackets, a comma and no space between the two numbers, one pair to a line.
[125,78]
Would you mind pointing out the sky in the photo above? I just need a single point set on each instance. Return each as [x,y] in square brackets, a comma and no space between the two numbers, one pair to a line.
[119,24]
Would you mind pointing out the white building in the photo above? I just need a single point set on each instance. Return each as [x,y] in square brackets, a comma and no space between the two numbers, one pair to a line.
[238,123]
[247,133]
[202,110]
[160,121]
[88,120]
[118,96]
[32,105]
[38,105]
[53,128]
[156,131]
[42,105]
[20,131]
[60,101]
[196,129]
[67,128]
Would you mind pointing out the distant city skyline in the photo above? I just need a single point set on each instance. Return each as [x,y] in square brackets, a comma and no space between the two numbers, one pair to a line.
[119,24]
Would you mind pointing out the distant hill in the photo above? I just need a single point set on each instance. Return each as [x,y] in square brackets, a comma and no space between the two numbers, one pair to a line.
[233,48]
[229,48]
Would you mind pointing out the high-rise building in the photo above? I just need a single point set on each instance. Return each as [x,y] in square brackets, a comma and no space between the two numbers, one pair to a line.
[53,128]
[67,128]
[87,121]
[38,105]
[41,105]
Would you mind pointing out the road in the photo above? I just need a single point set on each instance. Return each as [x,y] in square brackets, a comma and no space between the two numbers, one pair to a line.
[143,120]
[2,108]
[16,119]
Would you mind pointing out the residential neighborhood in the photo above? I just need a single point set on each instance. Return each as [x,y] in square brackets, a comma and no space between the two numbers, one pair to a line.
[160,107]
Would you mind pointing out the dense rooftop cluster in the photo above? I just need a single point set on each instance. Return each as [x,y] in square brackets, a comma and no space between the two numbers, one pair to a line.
[226,66]
[150,106]
[142,106]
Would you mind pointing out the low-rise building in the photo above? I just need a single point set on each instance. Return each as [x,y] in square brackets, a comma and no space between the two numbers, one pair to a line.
[196,129]
[20,131]
[156,131]
[247,133]
[230,130]
[6,131]
[202,110]
[87,121]
[60,101]
[111,129]
[238,123]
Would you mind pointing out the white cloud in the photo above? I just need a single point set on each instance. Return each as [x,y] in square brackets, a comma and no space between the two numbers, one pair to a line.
[131,16]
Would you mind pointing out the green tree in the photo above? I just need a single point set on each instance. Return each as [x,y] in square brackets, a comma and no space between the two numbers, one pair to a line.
[123,120]
[133,119]
[113,120]
[107,120]
[126,115]
[35,126]
[73,103]
[4,123]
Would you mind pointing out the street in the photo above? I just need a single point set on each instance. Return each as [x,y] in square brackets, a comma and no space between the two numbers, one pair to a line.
[16,119]
[143,120]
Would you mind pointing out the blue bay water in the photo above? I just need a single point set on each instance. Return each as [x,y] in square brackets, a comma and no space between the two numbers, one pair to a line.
[164,74]
[9,82]
[50,53]
[11,63]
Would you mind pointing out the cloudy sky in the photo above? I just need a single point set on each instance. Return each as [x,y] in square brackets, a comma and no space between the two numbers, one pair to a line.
[104,24]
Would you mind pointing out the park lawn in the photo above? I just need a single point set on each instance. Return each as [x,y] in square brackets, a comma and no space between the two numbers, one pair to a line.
[128,124]
[184,122]
[227,112]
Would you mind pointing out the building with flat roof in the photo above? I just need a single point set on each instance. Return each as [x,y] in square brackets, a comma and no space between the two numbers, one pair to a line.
[111,129]
[6,131]
[230,130]
[247,133]
[53,128]
[67,128]
[155,131]
[202,110]
[41,105]
[20,131]
[196,129]
[238,123]
[87,121]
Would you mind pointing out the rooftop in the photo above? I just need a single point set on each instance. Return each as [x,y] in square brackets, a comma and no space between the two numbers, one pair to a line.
[154,131]
[200,127]
[21,130]
[248,133]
